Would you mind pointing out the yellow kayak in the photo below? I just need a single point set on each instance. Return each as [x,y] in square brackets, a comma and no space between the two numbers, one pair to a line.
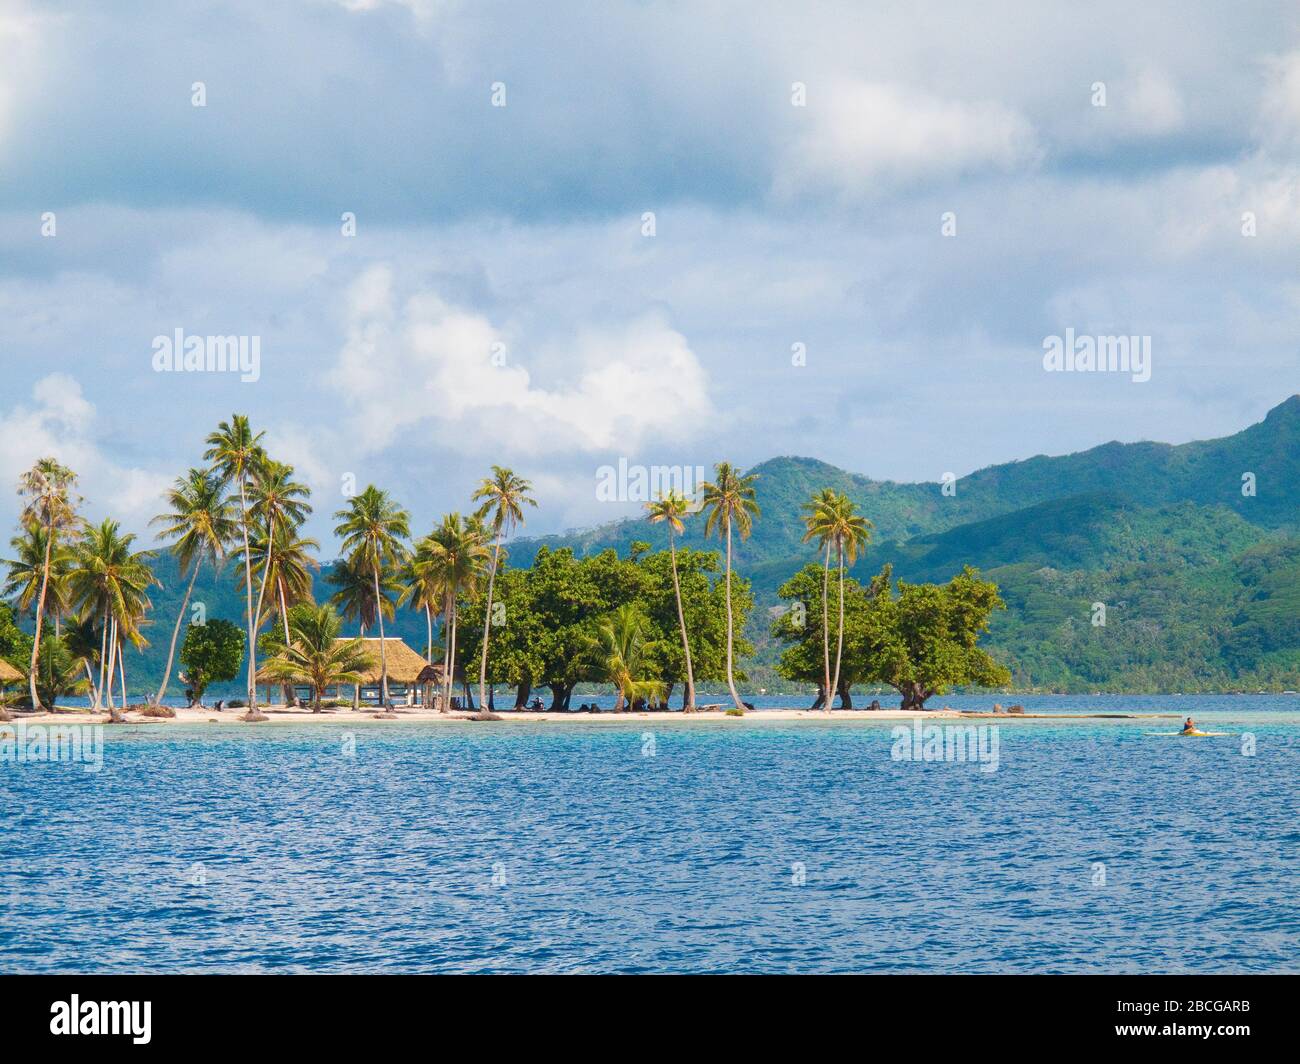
[1182,734]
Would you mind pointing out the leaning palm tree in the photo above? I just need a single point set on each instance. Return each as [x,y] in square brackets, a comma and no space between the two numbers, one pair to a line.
[316,654]
[286,561]
[670,509]
[372,529]
[51,504]
[110,581]
[619,654]
[729,500]
[458,557]
[201,524]
[504,496]
[420,588]
[236,454]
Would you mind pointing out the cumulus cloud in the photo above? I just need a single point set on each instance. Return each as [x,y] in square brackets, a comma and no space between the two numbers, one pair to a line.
[422,361]
[863,138]
[60,422]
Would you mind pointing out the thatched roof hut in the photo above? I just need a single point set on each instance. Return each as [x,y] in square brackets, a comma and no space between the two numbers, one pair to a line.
[8,674]
[404,664]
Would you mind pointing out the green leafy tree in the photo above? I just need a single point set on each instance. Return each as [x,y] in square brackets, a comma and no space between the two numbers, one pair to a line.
[620,653]
[928,635]
[212,653]
[59,672]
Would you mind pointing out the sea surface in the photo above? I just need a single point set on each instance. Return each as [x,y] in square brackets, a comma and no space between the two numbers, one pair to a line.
[745,845]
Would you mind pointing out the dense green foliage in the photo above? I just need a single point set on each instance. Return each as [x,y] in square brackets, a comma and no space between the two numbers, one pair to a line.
[212,653]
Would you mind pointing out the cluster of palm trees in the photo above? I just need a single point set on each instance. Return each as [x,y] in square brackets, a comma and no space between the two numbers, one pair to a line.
[86,576]
[244,501]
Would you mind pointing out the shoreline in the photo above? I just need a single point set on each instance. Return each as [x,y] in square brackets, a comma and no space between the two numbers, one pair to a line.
[279,715]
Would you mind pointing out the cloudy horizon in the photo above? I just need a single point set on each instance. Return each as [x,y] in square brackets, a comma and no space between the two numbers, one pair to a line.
[466,234]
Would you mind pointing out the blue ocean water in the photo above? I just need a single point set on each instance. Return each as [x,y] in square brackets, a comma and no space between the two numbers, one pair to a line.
[745,845]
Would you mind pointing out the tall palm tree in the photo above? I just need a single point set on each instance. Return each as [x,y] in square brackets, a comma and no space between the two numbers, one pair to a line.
[111,581]
[619,654]
[832,519]
[818,519]
[670,509]
[201,524]
[729,500]
[503,496]
[278,507]
[420,588]
[51,504]
[286,561]
[458,556]
[316,654]
[236,454]
[372,529]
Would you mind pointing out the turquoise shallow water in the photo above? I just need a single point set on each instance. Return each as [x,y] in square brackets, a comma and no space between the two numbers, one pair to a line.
[737,846]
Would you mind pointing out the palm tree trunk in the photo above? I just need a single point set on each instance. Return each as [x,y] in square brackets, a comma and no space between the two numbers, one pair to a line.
[248,596]
[428,636]
[681,619]
[826,629]
[383,651]
[446,655]
[290,696]
[487,624]
[839,647]
[731,675]
[103,655]
[112,663]
[171,652]
[455,624]
[121,672]
[40,617]
[356,687]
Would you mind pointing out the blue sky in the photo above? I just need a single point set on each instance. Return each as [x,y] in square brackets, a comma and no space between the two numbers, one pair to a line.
[501,303]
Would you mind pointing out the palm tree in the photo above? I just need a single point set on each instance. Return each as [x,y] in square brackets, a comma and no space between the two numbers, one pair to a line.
[819,511]
[27,571]
[201,524]
[504,496]
[236,453]
[372,529]
[111,581]
[287,564]
[729,500]
[355,597]
[278,506]
[51,504]
[60,672]
[670,509]
[834,521]
[420,588]
[315,652]
[458,555]
[619,655]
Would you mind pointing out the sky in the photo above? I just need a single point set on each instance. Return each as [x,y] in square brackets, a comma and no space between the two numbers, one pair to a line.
[557,236]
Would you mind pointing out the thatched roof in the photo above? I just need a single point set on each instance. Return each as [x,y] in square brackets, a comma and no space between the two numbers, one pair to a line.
[404,664]
[8,674]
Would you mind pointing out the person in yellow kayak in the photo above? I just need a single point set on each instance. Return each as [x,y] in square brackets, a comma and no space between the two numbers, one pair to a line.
[1189,727]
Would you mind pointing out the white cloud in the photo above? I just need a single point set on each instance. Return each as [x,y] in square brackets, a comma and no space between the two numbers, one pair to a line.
[425,362]
[60,422]
[865,138]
